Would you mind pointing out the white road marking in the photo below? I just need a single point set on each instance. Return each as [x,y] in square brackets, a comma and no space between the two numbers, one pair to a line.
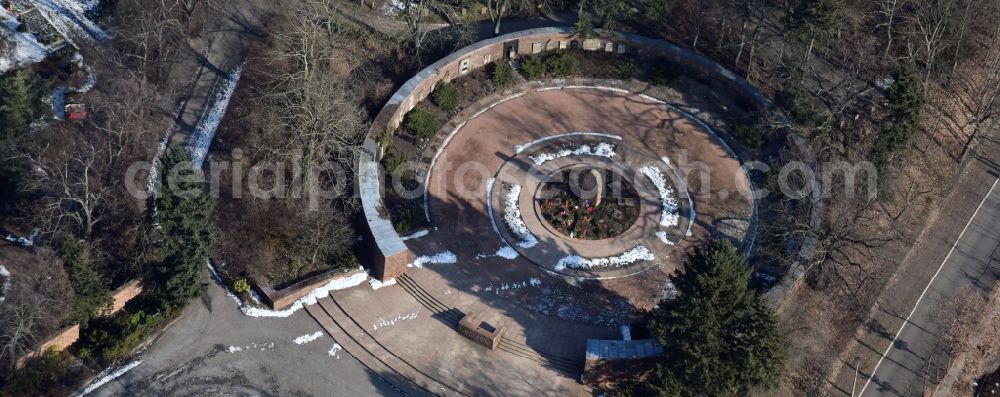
[928,286]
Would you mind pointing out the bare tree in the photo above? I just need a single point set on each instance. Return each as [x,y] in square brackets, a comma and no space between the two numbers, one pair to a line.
[889,9]
[931,28]
[498,9]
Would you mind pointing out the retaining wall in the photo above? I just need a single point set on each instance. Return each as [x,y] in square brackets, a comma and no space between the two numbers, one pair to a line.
[66,337]
[280,299]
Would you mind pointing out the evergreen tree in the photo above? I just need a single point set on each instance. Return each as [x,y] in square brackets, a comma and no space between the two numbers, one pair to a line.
[21,102]
[184,229]
[91,291]
[815,20]
[905,102]
[719,338]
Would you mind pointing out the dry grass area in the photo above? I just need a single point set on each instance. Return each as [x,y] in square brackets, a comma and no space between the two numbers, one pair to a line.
[974,339]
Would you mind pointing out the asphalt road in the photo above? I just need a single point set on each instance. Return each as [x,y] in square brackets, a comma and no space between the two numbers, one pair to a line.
[216,350]
[916,351]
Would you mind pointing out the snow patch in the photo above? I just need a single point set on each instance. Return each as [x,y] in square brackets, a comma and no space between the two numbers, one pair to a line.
[602,149]
[376,284]
[506,252]
[418,234]
[512,215]
[204,131]
[445,257]
[639,253]
[24,47]
[308,338]
[520,148]
[24,242]
[382,323]
[662,235]
[335,351]
[69,18]
[310,299]
[511,287]
[6,283]
[253,346]
[107,376]
[668,214]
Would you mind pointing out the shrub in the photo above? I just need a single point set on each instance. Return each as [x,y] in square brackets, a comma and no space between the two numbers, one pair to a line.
[241,286]
[626,69]
[664,73]
[392,161]
[533,68]
[503,74]
[561,64]
[750,134]
[48,374]
[347,260]
[111,338]
[421,123]
[447,97]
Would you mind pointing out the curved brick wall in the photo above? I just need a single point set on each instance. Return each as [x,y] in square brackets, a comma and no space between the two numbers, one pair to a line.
[390,254]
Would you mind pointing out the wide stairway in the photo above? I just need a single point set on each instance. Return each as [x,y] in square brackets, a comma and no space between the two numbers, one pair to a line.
[372,354]
[395,370]
[452,316]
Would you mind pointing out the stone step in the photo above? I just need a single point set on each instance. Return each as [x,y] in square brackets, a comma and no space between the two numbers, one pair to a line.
[366,341]
[352,347]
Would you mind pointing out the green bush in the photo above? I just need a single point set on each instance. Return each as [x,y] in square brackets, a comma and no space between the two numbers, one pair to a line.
[111,338]
[626,69]
[750,134]
[241,286]
[664,73]
[503,74]
[447,97]
[533,68]
[47,374]
[411,219]
[347,260]
[561,64]
[421,123]
[392,161]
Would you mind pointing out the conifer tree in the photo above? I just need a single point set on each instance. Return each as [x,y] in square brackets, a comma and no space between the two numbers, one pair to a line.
[184,230]
[91,291]
[719,338]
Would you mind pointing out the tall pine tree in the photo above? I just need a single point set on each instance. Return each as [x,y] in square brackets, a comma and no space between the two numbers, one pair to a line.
[21,102]
[91,291]
[905,102]
[184,231]
[719,338]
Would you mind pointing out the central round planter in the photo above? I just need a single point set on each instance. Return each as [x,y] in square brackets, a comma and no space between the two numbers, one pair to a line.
[588,203]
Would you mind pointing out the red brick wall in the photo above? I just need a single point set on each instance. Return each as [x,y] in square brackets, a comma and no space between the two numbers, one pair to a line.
[66,337]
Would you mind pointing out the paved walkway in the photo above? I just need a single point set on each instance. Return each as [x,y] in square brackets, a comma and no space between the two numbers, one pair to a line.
[961,248]
[214,349]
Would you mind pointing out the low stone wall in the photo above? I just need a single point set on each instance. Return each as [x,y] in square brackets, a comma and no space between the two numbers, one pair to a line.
[66,337]
[124,294]
[280,299]
[388,251]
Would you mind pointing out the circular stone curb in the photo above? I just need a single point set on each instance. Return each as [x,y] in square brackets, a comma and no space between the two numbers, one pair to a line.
[551,246]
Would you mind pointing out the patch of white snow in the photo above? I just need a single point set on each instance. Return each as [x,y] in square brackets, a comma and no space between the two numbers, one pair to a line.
[308,338]
[107,376]
[602,149]
[204,131]
[639,253]
[445,257]
[668,214]
[376,284]
[512,215]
